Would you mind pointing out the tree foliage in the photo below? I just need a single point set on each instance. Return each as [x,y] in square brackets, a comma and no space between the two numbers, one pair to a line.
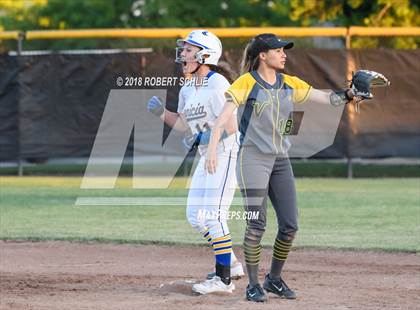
[375,13]
[77,14]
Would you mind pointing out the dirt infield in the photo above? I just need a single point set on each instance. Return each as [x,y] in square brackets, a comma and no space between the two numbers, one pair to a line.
[63,275]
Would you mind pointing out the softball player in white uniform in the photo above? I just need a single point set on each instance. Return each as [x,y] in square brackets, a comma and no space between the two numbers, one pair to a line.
[210,195]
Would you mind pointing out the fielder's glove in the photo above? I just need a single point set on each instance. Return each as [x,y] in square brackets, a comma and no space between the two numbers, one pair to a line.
[363,81]
[155,106]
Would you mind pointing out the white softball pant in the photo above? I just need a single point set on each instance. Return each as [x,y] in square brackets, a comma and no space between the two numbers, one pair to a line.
[212,194]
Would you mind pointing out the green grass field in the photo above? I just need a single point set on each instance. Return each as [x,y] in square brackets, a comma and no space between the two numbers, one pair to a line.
[380,214]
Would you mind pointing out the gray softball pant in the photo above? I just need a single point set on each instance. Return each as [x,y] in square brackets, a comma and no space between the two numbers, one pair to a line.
[267,175]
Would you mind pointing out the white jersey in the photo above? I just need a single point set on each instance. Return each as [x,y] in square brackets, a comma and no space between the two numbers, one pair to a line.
[202,105]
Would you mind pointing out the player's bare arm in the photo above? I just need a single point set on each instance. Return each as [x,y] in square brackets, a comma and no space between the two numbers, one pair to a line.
[360,89]
[225,121]
[175,120]
[324,97]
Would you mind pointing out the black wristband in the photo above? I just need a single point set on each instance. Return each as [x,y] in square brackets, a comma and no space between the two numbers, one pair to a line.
[339,97]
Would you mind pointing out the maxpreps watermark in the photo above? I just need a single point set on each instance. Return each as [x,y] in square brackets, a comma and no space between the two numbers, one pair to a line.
[205,215]
[160,81]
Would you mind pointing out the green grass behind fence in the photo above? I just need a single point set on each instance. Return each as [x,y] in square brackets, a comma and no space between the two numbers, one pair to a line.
[314,168]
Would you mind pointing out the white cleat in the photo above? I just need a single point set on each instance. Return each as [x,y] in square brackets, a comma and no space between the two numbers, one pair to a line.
[214,285]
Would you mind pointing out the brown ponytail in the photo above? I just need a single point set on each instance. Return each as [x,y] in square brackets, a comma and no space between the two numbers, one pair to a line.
[224,69]
[249,62]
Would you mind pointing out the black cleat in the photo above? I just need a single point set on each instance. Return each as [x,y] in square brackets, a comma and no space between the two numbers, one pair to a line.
[255,293]
[278,287]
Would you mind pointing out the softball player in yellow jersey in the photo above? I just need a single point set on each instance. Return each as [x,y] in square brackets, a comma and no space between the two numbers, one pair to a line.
[264,99]
[198,107]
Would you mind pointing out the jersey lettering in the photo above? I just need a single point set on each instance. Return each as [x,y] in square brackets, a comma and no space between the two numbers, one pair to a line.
[259,107]
[195,113]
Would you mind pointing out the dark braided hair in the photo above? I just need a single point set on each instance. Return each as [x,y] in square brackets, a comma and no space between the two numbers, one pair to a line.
[224,69]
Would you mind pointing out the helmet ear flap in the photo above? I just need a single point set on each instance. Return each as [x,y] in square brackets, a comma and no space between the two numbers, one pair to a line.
[200,57]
